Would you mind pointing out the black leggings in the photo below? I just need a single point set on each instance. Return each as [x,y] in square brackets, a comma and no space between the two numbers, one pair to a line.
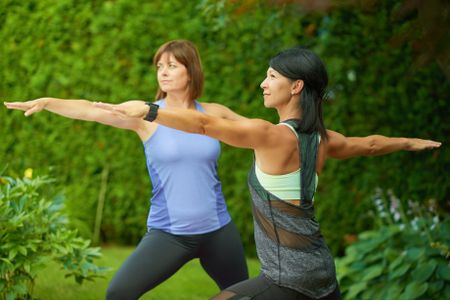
[262,288]
[160,254]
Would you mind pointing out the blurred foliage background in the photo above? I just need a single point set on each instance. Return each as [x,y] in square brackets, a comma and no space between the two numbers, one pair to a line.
[388,63]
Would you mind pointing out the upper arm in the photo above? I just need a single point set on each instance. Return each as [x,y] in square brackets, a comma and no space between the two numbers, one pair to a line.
[342,147]
[221,111]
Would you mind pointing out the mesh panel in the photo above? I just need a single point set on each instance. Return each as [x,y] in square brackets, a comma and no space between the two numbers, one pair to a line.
[289,209]
[286,238]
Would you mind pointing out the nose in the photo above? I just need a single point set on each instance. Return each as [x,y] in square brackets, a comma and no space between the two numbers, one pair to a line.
[162,71]
[263,84]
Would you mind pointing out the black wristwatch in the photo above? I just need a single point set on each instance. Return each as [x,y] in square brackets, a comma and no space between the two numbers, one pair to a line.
[152,112]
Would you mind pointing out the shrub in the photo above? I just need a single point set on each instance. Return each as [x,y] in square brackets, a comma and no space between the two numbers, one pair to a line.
[406,258]
[33,231]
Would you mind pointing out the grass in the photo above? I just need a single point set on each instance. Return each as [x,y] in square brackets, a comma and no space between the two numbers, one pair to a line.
[190,283]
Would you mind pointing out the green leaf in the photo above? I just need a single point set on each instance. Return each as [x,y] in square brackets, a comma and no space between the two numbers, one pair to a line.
[23,250]
[393,291]
[447,292]
[414,253]
[27,267]
[414,290]
[12,253]
[6,261]
[436,286]
[396,263]
[443,272]
[399,272]
[373,272]
[424,271]
[373,292]
[355,289]
[391,253]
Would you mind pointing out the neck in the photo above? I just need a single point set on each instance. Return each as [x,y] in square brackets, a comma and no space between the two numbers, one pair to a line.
[180,100]
[291,110]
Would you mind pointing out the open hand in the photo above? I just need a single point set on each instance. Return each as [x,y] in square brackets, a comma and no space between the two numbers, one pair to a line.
[30,107]
[419,144]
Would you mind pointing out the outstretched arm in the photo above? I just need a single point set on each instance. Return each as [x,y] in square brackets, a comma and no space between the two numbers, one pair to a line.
[75,109]
[242,133]
[341,147]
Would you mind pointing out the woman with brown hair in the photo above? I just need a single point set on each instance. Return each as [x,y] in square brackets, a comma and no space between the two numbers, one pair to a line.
[188,216]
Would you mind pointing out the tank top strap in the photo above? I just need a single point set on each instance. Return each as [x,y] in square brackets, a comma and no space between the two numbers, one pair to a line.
[308,144]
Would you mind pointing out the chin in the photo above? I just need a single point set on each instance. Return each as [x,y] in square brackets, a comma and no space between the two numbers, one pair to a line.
[268,105]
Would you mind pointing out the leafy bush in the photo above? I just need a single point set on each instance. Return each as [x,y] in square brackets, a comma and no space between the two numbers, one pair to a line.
[406,258]
[33,231]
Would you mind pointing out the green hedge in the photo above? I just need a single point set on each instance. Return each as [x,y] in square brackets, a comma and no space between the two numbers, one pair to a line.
[103,50]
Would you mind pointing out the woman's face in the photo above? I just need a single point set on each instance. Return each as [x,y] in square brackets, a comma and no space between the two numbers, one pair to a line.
[276,88]
[172,75]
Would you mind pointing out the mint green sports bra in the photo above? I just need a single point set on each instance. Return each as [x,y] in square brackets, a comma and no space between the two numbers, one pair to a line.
[285,186]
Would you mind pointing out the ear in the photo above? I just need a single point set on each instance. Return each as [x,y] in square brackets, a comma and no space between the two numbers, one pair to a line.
[297,87]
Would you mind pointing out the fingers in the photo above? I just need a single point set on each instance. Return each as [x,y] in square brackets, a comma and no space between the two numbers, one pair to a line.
[431,144]
[105,106]
[32,110]
[425,145]
[112,108]
[17,105]
[119,112]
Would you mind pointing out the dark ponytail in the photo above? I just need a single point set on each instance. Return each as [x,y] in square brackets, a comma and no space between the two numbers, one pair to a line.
[303,64]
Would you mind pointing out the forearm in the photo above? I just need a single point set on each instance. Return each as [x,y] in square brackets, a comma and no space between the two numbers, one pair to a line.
[70,108]
[379,145]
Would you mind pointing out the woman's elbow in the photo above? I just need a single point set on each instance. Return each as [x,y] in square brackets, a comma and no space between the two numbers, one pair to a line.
[373,146]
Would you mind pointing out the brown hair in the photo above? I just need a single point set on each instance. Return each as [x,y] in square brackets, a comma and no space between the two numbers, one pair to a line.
[187,54]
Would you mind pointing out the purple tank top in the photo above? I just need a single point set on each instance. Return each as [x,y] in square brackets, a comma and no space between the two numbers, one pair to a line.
[187,193]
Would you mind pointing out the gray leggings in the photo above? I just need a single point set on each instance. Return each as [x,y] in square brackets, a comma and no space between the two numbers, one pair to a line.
[160,254]
[262,288]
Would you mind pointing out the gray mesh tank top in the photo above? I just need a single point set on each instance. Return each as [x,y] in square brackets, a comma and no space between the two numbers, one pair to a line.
[289,244]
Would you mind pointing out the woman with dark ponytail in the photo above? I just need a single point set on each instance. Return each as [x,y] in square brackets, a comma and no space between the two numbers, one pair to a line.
[289,157]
